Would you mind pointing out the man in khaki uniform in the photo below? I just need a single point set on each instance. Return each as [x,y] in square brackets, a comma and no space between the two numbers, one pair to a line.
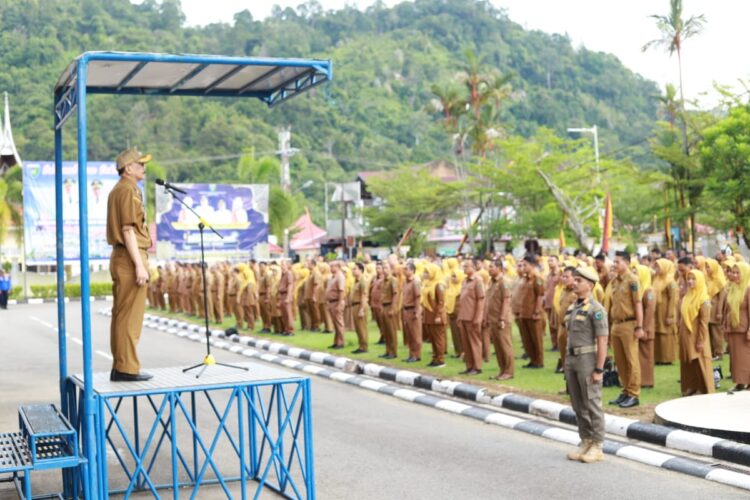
[553,278]
[217,293]
[388,298]
[411,304]
[470,311]
[530,314]
[286,298]
[128,234]
[626,316]
[496,320]
[586,324]
[335,302]
[359,301]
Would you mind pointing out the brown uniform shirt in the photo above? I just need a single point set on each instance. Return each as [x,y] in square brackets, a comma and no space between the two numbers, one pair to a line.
[717,307]
[336,288]
[437,304]
[125,208]
[529,290]
[666,308]
[471,300]
[497,293]
[286,286]
[310,287]
[624,297]
[388,291]
[358,295]
[549,289]
[566,300]
[744,323]
[375,286]
[412,295]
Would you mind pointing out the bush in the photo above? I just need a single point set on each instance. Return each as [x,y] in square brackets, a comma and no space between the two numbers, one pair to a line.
[15,292]
[71,290]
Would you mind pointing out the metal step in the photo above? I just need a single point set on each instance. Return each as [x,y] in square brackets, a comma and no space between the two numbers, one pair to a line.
[52,441]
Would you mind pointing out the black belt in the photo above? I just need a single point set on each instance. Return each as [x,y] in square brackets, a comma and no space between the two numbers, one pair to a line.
[615,321]
[385,304]
[355,303]
[332,301]
[409,308]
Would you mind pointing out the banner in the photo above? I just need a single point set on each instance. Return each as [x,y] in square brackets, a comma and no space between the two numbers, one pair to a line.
[39,210]
[238,212]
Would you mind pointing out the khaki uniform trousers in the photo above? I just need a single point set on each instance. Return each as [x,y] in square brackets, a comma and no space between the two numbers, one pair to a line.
[360,326]
[389,331]
[532,337]
[313,311]
[128,307]
[413,332]
[501,340]
[646,361]
[218,306]
[625,347]
[287,315]
[336,311]
[458,347]
[553,330]
[471,339]
[716,334]
[585,397]
[437,334]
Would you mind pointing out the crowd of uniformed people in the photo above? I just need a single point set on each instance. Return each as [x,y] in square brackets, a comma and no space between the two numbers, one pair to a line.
[660,309]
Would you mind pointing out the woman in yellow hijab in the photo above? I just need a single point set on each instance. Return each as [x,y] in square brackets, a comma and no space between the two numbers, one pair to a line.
[696,373]
[716,283]
[433,308]
[452,292]
[666,294]
[646,343]
[737,324]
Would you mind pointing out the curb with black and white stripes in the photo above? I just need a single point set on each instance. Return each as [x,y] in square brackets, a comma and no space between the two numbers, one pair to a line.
[686,441]
[14,302]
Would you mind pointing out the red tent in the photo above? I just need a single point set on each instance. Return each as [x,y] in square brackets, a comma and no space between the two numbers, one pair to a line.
[308,235]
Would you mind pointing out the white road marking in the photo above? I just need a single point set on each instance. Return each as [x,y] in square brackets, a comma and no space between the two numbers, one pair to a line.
[78,341]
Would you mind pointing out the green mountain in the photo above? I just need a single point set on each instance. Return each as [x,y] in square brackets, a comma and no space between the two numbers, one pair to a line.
[374,115]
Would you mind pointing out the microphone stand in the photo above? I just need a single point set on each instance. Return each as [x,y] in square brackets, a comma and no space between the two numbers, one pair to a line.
[209,359]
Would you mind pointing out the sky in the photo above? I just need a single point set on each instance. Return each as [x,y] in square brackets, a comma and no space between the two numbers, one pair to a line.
[620,27]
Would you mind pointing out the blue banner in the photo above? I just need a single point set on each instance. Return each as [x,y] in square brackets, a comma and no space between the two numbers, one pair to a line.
[238,212]
[39,210]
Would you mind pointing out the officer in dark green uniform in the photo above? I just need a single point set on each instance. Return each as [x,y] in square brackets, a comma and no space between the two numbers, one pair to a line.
[586,322]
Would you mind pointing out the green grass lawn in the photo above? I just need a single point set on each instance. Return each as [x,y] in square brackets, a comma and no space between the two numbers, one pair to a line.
[543,383]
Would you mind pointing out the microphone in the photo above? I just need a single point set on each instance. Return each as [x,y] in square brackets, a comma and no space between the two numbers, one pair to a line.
[167,185]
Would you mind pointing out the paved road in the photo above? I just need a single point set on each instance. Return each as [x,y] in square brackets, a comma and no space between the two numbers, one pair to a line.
[367,445]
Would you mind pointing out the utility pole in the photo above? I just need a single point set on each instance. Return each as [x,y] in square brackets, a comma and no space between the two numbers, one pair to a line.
[285,152]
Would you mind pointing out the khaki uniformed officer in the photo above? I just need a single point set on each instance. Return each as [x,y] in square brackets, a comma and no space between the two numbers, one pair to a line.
[626,315]
[586,324]
[128,234]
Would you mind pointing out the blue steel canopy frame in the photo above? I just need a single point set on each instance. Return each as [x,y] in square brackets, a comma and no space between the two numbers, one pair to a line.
[271,80]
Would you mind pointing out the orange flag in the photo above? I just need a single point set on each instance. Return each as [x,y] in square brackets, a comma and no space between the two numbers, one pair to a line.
[607,229]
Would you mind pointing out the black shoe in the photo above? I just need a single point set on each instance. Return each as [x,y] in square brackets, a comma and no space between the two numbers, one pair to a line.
[334,346]
[383,356]
[359,351]
[412,359]
[391,356]
[524,356]
[464,372]
[554,349]
[629,402]
[434,364]
[380,342]
[473,372]
[622,397]
[116,376]
[647,387]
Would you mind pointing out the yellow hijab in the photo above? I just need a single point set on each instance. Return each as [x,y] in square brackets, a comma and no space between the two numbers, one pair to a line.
[664,276]
[694,299]
[736,292]
[453,290]
[716,278]
[430,284]
[644,278]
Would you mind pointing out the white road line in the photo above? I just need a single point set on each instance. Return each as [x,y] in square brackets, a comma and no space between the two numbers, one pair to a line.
[76,340]
[104,355]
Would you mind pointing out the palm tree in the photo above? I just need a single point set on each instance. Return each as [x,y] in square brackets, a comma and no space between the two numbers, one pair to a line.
[11,201]
[674,31]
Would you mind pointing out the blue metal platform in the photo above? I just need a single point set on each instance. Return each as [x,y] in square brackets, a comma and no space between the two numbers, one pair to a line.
[181,433]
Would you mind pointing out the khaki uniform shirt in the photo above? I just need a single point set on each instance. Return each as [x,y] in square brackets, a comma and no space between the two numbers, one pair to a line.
[624,297]
[585,320]
[497,293]
[666,308]
[549,289]
[529,290]
[358,295]
[286,285]
[125,208]
[471,300]
[412,295]
[336,288]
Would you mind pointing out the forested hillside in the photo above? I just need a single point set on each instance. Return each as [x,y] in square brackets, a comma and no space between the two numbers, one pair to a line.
[374,115]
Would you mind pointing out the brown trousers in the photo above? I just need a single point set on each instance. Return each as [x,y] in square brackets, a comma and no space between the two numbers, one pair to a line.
[336,311]
[287,315]
[665,347]
[217,301]
[389,332]
[128,307]
[553,330]
[413,332]
[486,345]
[377,315]
[360,326]
[265,312]
[325,317]
[501,340]
[625,347]
[249,313]
[646,360]
[697,375]
[716,333]
[304,315]
[437,334]
[314,311]
[458,347]
[562,344]
[471,339]
[532,338]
